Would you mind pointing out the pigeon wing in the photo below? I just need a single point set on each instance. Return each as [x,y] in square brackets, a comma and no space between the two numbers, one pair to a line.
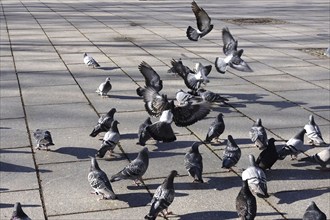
[229,43]
[161,131]
[203,19]
[150,75]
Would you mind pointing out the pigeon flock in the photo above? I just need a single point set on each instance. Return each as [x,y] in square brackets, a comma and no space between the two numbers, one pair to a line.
[191,105]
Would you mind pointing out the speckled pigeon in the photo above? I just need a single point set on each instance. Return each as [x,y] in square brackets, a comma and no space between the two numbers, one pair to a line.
[193,162]
[203,23]
[210,96]
[322,158]
[313,132]
[135,169]
[216,128]
[104,88]
[183,97]
[143,135]
[246,204]
[18,213]
[258,135]
[313,213]
[268,156]
[103,123]
[231,154]
[110,140]
[99,181]
[89,61]
[162,198]
[43,139]
[292,146]
[256,178]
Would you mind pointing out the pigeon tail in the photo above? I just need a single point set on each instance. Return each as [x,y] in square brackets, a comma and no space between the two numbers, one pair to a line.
[192,34]
[220,65]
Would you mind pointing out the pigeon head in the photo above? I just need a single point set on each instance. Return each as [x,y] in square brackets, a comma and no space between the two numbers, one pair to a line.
[231,141]
[85,54]
[143,153]
[18,212]
[258,122]
[148,121]
[112,111]
[312,206]
[300,135]
[94,164]
[271,142]
[252,160]
[194,147]
[107,79]
[220,116]
[311,120]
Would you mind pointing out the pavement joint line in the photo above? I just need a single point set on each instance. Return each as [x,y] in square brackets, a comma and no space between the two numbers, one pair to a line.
[12,118]
[59,103]
[13,148]
[18,190]
[40,190]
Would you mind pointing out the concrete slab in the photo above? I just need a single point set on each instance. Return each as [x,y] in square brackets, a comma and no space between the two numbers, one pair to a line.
[11,107]
[13,133]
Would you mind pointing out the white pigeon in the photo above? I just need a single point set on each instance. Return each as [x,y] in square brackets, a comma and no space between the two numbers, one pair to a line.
[104,88]
[89,61]
[313,132]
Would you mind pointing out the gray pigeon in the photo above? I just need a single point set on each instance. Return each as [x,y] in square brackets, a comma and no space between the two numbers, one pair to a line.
[104,88]
[179,69]
[43,139]
[152,79]
[292,146]
[203,23]
[258,135]
[163,197]
[89,61]
[193,162]
[246,204]
[110,140]
[313,132]
[99,181]
[313,213]
[103,123]
[322,158]
[143,135]
[204,71]
[135,169]
[233,56]
[216,128]
[268,156]
[210,96]
[18,213]
[256,178]
[231,154]
[183,97]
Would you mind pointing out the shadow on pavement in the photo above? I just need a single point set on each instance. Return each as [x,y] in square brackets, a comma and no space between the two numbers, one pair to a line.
[78,152]
[289,197]
[8,167]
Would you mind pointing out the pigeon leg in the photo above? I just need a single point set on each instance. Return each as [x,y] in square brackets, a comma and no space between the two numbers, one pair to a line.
[136,182]
[217,140]
[168,212]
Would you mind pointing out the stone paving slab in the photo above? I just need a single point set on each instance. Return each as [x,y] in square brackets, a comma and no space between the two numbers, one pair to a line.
[13,133]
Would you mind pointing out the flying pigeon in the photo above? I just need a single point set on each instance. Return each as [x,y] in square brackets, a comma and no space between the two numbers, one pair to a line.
[268,156]
[193,162]
[183,97]
[104,123]
[258,135]
[322,158]
[143,135]
[179,69]
[246,204]
[104,88]
[89,61]
[99,181]
[256,178]
[152,79]
[204,71]
[216,128]
[18,213]
[313,213]
[110,140]
[210,96]
[43,139]
[135,169]
[233,56]
[203,23]
[231,154]
[292,146]
[163,197]
[313,132]
[162,129]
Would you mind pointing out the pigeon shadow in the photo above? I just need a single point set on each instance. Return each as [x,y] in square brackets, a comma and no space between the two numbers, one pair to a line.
[129,136]
[135,199]
[325,107]
[294,174]
[5,128]
[123,96]
[289,197]
[8,167]
[223,182]
[78,152]
[210,215]
[4,151]
[163,146]
[4,189]
[8,205]
[108,68]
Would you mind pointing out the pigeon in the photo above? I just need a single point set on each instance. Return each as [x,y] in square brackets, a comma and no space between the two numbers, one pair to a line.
[292,146]
[203,23]
[110,140]
[204,71]
[258,135]
[327,52]
[155,103]
[193,162]
[268,156]
[99,181]
[162,129]
[178,68]
[143,135]
[104,88]
[313,213]
[89,61]
[231,154]
[104,123]
[163,197]
[135,169]
[210,96]
[313,132]
[246,204]
[152,79]
[183,97]
[233,56]
[216,128]
[43,139]
[18,213]
[322,158]
[256,178]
